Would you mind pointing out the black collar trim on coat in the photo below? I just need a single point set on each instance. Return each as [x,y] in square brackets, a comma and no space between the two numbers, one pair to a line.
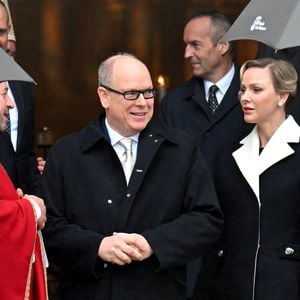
[96,132]
[189,89]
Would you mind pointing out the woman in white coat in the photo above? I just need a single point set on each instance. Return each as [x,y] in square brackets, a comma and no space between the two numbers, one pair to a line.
[258,187]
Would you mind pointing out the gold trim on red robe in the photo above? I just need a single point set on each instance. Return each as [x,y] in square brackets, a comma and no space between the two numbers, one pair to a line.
[22,271]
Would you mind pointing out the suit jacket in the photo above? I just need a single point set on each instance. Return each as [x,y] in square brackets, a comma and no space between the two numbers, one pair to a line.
[186,108]
[170,200]
[21,164]
[259,195]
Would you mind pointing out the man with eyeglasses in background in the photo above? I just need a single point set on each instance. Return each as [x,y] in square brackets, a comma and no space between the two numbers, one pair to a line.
[117,232]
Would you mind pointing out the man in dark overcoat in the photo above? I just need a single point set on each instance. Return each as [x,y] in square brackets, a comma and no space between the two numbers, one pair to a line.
[120,236]
[187,107]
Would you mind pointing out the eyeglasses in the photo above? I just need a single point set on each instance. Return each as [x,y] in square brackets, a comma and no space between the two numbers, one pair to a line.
[134,94]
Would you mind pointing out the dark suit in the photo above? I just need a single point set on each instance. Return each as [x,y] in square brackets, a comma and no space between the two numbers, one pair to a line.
[170,200]
[20,164]
[186,108]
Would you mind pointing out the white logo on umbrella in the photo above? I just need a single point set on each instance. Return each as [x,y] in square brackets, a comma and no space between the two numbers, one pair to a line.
[258,24]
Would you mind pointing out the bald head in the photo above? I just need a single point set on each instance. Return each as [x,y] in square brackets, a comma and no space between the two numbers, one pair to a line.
[126,93]
[118,65]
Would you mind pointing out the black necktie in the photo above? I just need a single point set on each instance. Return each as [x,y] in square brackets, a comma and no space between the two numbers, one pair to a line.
[212,99]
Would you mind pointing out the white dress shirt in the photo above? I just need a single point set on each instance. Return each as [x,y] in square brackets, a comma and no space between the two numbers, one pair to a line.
[115,137]
[223,84]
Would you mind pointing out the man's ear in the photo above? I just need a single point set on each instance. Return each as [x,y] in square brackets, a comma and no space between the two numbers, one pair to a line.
[103,97]
[223,47]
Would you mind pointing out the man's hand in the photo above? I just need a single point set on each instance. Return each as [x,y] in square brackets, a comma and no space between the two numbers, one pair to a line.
[123,248]
[20,193]
[40,202]
[114,249]
[138,242]
[40,164]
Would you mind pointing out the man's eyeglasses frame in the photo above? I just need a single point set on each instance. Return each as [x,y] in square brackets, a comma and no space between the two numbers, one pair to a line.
[133,94]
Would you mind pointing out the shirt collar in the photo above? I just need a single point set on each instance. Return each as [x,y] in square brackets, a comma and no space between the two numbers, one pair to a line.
[223,84]
[115,137]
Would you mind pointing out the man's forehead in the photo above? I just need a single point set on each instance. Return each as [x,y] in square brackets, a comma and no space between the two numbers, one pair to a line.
[3,84]
[3,16]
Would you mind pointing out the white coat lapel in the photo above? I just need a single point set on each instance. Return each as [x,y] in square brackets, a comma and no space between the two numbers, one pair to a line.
[278,148]
[251,164]
[247,159]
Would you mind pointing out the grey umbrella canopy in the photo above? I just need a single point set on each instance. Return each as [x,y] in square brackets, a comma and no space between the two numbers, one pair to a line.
[10,70]
[272,22]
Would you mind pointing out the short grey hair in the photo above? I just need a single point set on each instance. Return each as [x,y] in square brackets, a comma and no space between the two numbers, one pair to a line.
[220,24]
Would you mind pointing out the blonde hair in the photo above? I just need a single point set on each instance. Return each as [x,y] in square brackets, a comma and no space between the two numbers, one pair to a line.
[284,76]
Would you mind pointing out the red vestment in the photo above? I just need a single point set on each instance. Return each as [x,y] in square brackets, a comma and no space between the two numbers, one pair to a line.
[20,245]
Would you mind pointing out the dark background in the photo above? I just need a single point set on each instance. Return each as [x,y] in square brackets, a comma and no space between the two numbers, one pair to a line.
[60,43]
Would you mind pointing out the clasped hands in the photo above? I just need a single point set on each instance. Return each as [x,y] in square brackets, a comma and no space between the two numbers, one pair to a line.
[123,248]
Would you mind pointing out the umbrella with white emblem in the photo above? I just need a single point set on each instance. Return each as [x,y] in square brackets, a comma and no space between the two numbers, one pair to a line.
[272,22]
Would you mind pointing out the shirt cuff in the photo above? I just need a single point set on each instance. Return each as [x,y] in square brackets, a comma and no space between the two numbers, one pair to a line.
[37,209]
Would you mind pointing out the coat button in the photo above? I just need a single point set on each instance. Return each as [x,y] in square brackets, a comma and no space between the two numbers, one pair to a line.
[109,201]
[104,265]
[289,251]
[128,195]
[220,253]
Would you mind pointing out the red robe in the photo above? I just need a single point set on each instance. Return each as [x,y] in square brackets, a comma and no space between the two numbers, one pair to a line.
[20,244]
